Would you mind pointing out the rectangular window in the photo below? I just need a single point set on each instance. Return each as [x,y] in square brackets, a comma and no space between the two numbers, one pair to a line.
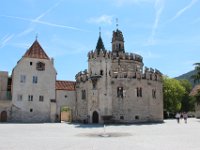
[139,92]
[19,97]
[83,94]
[35,79]
[30,98]
[154,93]
[120,92]
[22,78]
[41,98]
[40,66]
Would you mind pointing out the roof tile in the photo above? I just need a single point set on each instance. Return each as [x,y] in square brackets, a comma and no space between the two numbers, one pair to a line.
[65,85]
[36,51]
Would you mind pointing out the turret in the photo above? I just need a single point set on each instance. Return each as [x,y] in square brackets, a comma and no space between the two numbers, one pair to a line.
[118,42]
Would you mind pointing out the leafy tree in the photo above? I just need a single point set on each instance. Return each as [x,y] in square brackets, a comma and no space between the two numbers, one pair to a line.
[173,93]
[64,108]
[196,77]
[187,102]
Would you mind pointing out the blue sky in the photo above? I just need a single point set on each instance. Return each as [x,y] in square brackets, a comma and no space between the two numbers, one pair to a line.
[165,32]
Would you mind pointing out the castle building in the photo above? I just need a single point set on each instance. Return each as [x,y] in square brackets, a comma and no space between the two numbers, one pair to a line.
[115,88]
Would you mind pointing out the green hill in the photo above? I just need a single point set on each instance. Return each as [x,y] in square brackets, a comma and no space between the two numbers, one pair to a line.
[187,76]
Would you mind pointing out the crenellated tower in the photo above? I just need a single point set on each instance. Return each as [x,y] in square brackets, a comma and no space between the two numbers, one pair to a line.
[118,42]
[115,88]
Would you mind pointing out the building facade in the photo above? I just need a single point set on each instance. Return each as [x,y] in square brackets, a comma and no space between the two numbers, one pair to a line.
[115,88]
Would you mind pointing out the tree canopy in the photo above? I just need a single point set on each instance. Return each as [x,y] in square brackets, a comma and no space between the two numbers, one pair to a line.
[196,77]
[173,92]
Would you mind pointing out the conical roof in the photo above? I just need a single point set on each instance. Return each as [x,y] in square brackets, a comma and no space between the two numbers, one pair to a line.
[36,51]
[100,45]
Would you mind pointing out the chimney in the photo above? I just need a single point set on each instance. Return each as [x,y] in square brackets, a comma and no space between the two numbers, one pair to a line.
[52,60]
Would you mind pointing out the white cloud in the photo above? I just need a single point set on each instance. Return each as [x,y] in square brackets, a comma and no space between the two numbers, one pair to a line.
[48,11]
[25,32]
[180,12]
[44,23]
[104,19]
[5,40]
[159,6]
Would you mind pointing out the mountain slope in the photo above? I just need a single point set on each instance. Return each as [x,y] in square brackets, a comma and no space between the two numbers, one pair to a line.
[187,76]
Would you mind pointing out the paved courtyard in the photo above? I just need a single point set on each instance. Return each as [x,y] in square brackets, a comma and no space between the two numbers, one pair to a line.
[62,136]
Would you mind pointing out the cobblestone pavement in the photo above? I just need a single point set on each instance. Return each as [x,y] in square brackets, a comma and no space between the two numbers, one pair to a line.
[62,136]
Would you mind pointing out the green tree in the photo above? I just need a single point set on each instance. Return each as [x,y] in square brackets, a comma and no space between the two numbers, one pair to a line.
[187,102]
[173,93]
[196,77]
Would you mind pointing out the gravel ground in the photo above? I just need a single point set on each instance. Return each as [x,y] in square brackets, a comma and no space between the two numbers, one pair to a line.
[63,136]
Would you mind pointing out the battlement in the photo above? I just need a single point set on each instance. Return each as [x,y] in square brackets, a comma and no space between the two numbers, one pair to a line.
[113,55]
[102,53]
[127,56]
[148,74]
[82,76]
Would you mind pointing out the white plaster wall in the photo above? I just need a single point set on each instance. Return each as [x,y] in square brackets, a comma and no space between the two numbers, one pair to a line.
[45,87]
[66,98]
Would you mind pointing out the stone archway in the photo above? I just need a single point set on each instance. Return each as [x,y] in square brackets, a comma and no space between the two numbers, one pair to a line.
[3,116]
[95,117]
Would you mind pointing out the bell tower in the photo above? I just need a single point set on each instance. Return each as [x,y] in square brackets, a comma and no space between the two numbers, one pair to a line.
[117,40]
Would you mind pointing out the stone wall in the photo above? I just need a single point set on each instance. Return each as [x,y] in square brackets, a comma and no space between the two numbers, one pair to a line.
[3,85]
[133,108]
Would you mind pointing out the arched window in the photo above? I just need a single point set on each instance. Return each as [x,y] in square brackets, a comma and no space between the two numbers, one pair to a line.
[101,72]
[120,92]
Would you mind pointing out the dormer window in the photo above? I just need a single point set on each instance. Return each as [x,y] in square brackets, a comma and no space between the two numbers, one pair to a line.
[40,66]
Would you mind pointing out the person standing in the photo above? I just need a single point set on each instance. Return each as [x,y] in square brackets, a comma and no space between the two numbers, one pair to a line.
[178,117]
[185,116]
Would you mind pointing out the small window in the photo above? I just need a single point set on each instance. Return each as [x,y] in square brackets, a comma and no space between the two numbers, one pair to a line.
[137,118]
[154,93]
[121,117]
[119,46]
[83,94]
[94,84]
[101,72]
[40,66]
[31,110]
[30,98]
[31,63]
[150,76]
[22,78]
[41,98]
[139,92]
[120,92]
[19,97]
[35,79]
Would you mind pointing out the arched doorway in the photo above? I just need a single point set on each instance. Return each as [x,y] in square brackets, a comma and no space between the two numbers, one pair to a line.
[3,116]
[95,117]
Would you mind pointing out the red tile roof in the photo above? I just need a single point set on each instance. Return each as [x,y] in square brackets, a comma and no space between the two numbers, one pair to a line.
[65,85]
[36,51]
